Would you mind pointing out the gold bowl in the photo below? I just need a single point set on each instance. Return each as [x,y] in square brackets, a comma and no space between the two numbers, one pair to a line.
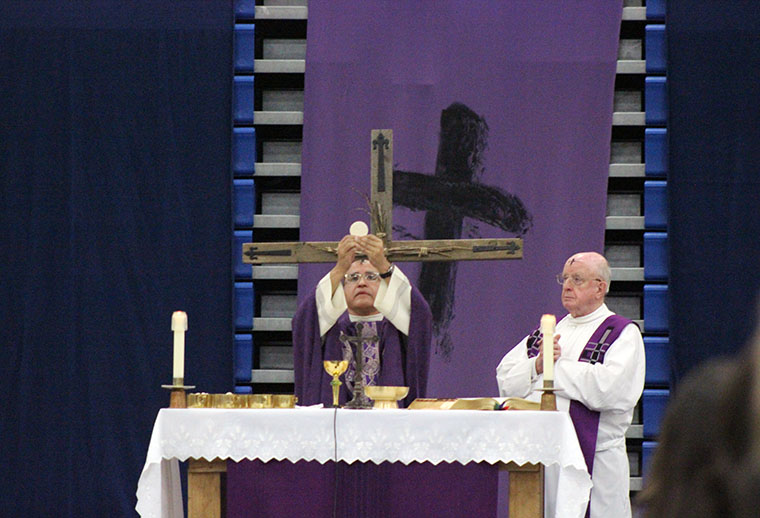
[386,397]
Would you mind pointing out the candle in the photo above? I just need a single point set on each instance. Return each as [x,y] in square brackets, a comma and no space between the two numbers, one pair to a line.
[547,329]
[179,326]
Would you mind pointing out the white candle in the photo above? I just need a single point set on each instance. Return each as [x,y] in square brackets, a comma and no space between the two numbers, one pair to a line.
[547,329]
[179,326]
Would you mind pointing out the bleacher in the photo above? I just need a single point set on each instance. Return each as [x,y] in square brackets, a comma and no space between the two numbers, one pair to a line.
[270,48]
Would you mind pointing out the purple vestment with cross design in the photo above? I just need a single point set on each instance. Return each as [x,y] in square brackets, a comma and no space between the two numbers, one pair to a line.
[401,360]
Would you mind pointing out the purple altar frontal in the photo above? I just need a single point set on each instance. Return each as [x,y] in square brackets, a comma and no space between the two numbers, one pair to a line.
[307,488]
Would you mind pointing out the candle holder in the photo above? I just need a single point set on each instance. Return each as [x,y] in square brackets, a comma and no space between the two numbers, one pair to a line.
[548,398]
[178,397]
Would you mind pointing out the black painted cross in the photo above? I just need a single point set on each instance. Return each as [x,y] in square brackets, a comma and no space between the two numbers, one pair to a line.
[449,196]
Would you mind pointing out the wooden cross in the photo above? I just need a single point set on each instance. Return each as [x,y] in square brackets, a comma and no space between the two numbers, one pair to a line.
[381,202]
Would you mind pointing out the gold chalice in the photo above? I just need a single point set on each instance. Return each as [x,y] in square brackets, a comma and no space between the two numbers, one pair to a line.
[386,397]
[335,368]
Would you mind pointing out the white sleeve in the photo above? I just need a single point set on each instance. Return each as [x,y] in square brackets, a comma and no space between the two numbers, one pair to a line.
[516,373]
[615,384]
[329,306]
[394,300]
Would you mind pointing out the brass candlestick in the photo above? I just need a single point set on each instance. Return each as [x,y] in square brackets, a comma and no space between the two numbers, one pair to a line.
[178,397]
[335,368]
[548,398]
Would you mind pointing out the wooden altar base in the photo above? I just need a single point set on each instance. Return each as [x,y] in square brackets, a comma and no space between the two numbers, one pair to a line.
[526,490]
[206,488]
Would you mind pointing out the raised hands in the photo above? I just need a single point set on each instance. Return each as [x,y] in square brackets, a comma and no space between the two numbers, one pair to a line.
[349,247]
[373,247]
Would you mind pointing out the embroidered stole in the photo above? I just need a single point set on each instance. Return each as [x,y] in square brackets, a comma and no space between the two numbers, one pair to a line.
[370,347]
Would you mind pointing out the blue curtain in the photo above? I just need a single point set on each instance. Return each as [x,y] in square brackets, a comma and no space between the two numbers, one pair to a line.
[713,184]
[115,137]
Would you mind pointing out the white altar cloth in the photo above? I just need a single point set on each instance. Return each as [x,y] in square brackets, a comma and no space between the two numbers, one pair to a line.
[366,436]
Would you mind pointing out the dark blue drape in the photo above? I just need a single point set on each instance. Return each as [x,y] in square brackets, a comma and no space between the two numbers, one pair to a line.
[115,183]
[714,178]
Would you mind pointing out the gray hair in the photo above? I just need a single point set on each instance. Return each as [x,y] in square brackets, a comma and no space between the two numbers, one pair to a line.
[605,273]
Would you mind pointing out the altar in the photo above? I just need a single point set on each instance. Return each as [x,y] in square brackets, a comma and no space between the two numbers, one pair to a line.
[364,436]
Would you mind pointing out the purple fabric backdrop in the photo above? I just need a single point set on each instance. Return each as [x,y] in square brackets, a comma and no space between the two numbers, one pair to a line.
[540,73]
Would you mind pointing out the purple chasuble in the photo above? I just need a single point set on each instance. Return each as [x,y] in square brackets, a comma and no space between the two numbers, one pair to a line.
[401,360]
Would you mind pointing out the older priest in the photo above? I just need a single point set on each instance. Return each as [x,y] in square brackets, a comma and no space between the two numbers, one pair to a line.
[599,372]
[377,302]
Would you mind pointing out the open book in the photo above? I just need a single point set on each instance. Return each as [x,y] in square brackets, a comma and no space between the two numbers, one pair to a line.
[476,403]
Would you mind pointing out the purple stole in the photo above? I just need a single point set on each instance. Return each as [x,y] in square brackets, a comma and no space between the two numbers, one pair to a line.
[586,421]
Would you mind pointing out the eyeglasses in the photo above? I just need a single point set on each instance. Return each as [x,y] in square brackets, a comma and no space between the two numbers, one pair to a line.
[576,279]
[354,277]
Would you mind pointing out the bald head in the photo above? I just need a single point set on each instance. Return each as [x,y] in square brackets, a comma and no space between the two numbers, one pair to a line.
[586,281]
[596,263]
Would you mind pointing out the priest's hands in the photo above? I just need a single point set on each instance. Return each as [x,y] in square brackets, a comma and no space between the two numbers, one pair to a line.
[348,247]
[374,248]
[540,357]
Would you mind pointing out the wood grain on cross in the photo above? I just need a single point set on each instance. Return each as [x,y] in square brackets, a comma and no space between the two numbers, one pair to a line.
[381,202]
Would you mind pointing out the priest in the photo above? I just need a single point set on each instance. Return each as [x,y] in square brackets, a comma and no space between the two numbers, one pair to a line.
[599,373]
[371,298]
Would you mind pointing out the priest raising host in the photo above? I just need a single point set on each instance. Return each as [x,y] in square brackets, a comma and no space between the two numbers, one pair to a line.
[372,298]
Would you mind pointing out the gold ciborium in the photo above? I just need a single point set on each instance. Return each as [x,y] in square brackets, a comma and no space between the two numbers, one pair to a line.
[335,368]
[386,397]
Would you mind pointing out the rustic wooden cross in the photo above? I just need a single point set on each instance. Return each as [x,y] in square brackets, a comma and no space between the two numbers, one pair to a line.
[381,203]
